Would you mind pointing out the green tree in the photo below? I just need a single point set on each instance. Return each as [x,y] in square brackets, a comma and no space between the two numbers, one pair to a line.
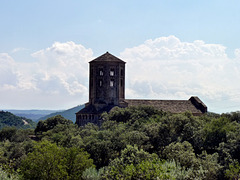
[7,133]
[205,165]
[77,162]
[50,123]
[66,135]
[182,153]
[138,164]
[47,161]
[132,114]
[92,174]
[215,132]
[233,172]
[8,176]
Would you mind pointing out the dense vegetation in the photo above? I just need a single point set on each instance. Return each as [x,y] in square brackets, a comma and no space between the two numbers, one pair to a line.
[131,143]
[9,119]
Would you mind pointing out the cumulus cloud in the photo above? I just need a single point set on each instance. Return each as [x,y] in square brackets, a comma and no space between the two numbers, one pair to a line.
[58,76]
[162,68]
[64,64]
[237,53]
[167,68]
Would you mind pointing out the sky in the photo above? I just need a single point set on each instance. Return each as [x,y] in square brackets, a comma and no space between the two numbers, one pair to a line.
[173,49]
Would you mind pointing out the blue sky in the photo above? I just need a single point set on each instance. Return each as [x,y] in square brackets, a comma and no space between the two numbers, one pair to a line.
[34,34]
[116,25]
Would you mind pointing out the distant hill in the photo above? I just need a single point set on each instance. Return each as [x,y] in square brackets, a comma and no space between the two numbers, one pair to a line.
[9,119]
[32,114]
[68,114]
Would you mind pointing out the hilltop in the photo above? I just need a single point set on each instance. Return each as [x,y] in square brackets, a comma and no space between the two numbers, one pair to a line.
[31,114]
[9,119]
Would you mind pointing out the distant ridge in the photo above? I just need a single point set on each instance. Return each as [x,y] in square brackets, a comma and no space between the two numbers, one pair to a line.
[68,114]
[9,119]
[32,114]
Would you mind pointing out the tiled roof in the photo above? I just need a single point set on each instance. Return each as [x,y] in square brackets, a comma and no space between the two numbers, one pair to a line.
[194,105]
[107,57]
[91,109]
[174,106]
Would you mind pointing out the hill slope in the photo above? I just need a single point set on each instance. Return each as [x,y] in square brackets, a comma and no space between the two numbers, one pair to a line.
[9,119]
[31,114]
[68,114]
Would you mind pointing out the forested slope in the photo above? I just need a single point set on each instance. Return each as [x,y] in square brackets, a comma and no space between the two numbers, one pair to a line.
[9,119]
[132,143]
[31,114]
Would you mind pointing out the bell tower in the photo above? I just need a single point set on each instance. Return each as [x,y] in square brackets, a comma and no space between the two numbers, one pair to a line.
[107,81]
[106,88]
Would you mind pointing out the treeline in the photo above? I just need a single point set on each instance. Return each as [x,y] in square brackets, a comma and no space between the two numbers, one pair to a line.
[132,143]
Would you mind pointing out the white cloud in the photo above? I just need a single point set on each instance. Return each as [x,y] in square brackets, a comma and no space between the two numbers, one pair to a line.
[8,75]
[58,77]
[167,68]
[66,64]
[163,68]
[237,53]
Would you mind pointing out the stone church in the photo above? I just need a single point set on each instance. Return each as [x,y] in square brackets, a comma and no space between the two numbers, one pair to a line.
[107,90]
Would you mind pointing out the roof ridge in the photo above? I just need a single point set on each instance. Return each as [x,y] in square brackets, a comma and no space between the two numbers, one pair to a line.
[156,100]
[107,57]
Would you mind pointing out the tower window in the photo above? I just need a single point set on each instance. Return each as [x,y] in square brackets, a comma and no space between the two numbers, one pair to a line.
[100,83]
[111,83]
[101,72]
[112,72]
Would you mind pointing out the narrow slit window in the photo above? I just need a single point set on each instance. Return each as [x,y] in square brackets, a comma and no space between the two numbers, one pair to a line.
[100,83]
[111,83]
[112,72]
[101,72]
